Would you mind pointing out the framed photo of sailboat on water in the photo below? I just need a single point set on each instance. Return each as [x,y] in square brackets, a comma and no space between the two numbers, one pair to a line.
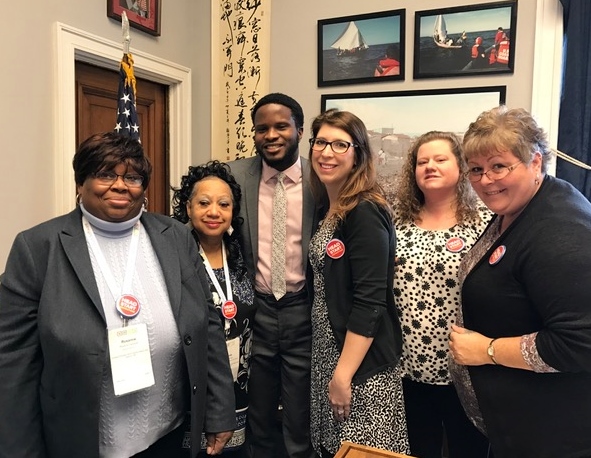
[466,40]
[366,48]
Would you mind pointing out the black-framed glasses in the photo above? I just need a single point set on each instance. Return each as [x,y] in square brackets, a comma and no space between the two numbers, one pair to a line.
[108,178]
[496,172]
[337,146]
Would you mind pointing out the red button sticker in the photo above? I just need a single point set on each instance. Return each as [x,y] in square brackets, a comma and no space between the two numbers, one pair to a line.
[128,306]
[335,249]
[455,245]
[497,255]
[229,310]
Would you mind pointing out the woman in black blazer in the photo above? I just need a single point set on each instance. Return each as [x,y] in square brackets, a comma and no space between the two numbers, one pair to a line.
[356,392]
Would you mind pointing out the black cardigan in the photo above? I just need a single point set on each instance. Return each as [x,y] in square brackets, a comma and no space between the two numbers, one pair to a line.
[358,286]
[543,284]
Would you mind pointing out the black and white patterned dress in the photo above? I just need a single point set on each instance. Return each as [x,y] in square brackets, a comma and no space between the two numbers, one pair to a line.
[377,416]
[427,293]
[240,327]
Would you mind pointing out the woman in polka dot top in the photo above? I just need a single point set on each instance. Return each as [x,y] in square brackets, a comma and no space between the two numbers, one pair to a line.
[438,217]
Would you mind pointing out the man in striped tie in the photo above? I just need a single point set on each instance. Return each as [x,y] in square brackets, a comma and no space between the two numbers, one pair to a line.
[279,215]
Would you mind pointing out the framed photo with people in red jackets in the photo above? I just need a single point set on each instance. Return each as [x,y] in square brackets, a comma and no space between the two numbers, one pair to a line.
[465,40]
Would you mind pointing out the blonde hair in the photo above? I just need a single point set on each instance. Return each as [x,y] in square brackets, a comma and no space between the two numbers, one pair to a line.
[502,129]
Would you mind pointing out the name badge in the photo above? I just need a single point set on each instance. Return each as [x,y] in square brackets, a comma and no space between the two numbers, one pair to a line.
[233,346]
[131,364]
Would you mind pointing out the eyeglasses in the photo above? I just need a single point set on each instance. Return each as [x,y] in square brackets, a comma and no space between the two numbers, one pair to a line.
[337,146]
[496,172]
[108,178]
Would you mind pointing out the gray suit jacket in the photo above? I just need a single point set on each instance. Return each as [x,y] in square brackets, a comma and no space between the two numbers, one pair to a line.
[53,339]
[248,175]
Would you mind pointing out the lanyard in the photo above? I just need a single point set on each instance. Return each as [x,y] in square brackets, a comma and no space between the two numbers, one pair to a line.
[225,298]
[104,266]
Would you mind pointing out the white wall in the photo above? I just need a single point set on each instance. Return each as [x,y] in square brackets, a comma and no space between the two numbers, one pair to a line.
[28,83]
[28,87]
[294,52]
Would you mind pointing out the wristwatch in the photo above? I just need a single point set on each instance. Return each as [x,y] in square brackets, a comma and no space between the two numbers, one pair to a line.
[490,351]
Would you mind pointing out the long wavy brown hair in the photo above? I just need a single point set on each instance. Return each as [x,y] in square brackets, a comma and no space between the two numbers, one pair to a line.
[409,197]
[362,183]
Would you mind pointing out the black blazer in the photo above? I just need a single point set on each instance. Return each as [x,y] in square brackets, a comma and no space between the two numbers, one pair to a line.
[358,286]
[53,339]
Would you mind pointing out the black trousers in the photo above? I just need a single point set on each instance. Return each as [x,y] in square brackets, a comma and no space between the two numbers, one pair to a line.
[167,446]
[435,410]
[280,369]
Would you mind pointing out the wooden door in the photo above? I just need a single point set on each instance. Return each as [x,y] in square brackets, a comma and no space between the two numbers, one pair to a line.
[96,111]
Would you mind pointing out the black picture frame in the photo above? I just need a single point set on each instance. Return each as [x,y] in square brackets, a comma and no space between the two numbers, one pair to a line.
[395,119]
[144,16]
[381,33]
[457,53]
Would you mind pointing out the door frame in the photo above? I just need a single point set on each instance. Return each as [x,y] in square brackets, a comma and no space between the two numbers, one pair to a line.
[547,70]
[75,44]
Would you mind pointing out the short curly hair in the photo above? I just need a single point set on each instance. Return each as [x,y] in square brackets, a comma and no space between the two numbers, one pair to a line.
[504,129]
[182,196]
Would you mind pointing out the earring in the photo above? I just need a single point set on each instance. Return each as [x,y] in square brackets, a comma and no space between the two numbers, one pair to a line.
[537,180]
[230,230]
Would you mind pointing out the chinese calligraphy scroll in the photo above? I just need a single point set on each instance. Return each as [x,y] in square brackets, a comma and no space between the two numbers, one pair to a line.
[240,73]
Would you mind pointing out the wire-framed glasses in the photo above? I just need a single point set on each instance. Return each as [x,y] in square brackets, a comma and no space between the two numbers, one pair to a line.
[108,178]
[337,146]
[496,172]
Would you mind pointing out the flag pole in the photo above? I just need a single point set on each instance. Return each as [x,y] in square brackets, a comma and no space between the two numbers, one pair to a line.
[127,118]
[125,32]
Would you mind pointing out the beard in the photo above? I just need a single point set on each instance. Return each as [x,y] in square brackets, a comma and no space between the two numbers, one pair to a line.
[283,162]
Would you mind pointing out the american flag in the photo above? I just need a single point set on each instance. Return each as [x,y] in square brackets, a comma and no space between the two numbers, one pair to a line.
[127,119]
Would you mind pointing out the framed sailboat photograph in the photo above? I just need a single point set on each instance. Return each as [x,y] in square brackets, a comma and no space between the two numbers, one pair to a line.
[465,40]
[365,48]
